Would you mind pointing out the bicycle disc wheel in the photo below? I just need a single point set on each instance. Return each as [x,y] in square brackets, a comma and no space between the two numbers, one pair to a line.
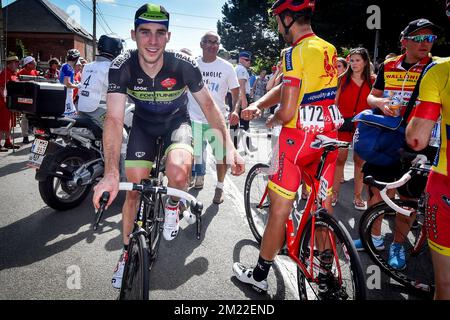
[342,278]
[135,281]
[418,274]
[256,199]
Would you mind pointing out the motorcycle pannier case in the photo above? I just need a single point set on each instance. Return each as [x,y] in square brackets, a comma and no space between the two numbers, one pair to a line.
[36,98]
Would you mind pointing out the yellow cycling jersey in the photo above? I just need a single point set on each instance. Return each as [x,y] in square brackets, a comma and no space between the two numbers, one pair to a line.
[311,65]
[434,97]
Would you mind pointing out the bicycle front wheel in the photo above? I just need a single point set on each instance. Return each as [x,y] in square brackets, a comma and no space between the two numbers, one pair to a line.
[256,199]
[382,220]
[335,272]
[155,222]
[135,281]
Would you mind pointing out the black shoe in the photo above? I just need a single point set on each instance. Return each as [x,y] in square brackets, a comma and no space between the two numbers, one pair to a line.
[11,146]
[3,149]
[25,140]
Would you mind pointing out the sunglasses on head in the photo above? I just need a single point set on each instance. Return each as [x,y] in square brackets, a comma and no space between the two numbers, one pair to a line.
[422,38]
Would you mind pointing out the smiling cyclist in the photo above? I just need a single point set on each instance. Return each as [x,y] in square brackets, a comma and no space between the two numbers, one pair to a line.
[157,81]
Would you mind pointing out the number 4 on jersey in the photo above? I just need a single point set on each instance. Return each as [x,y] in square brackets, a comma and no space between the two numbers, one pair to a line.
[86,83]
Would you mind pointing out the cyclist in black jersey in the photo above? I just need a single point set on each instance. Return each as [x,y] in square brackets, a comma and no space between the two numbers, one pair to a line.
[157,81]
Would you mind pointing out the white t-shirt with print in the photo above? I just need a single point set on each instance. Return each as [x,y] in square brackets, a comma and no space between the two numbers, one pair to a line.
[243,74]
[219,77]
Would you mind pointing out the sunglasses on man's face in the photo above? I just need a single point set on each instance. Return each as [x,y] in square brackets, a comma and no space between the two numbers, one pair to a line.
[422,38]
[248,60]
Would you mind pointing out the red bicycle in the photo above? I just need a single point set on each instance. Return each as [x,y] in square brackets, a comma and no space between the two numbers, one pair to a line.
[329,267]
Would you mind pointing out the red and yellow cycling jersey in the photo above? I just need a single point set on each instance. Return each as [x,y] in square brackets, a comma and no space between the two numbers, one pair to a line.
[310,64]
[434,97]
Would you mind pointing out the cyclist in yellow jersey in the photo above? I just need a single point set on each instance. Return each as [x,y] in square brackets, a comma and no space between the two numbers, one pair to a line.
[434,104]
[307,96]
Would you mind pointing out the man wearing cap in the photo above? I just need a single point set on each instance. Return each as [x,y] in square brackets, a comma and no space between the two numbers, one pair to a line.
[245,61]
[157,81]
[7,118]
[29,69]
[397,79]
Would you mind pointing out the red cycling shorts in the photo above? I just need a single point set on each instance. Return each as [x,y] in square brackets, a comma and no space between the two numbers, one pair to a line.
[438,213]
[295,155]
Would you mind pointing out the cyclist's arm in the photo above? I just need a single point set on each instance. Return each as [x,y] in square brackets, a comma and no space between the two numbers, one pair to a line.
[270,99]
[289,99]
[418,133]
[112,132]
[69,84]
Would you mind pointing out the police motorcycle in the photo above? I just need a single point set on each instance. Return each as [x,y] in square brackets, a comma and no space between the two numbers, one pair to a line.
[67,152]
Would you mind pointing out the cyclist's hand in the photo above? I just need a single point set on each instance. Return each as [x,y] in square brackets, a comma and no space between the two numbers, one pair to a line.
[251,112]
[236,162]
[234,118]
[109,183]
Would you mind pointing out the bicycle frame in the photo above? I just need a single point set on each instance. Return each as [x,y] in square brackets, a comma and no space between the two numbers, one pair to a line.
[312,209]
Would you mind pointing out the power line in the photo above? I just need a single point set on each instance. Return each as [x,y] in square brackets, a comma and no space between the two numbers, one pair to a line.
[172,25]
[176,13]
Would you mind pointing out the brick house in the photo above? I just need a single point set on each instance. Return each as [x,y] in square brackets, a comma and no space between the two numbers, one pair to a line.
[45,30]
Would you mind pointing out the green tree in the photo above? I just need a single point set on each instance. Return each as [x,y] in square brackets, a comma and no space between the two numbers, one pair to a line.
[246,26]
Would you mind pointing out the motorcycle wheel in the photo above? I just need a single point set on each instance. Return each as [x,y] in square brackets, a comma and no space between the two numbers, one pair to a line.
[55,191]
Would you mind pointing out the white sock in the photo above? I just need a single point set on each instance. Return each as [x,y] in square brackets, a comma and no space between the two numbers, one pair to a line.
[219,185]
[377,237]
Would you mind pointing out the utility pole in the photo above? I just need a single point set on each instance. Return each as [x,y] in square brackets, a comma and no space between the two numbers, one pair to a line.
[2,37]
[94,27]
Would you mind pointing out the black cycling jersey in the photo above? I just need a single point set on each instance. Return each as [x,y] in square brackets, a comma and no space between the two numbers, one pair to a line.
[156,99]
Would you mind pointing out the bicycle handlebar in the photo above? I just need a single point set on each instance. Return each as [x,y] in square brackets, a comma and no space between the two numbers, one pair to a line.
[195,205]
[128,186]
[418,163]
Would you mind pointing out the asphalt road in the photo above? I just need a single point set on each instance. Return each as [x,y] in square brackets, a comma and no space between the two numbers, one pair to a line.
[45,254]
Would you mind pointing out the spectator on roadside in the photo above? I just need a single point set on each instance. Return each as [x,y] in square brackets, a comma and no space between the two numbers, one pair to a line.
[417,41]
[354,86]
[274,80]
[67,78]
[341,65]
[259,86]
[29,69]
[52,72]
[242,71]
[77,77]
[7,118]
[219,76]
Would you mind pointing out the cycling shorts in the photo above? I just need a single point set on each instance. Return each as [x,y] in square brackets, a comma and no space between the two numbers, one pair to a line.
[438,213]
[296,156]
[176,133]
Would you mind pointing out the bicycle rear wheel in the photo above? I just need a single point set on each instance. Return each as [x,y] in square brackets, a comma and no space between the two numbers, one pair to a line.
[342,278]
[256,199]
[418,274]
[135,281]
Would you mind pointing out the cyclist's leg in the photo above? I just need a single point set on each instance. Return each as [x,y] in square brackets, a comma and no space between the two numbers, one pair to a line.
[179,156]
[438,231]
[138,164]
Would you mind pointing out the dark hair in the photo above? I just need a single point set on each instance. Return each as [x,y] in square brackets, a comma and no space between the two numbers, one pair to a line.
[366,75]
[53,61]
[343,61]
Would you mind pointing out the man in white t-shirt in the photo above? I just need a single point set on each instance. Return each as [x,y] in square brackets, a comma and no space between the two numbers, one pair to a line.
[245,60]
[94,79]
[220,77]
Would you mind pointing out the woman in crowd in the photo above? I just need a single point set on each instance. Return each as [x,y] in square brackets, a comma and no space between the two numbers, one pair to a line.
[354,86]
